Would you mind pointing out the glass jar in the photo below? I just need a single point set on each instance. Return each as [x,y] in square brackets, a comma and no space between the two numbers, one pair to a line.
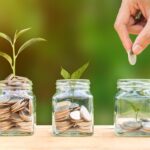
[132,107]
[17,106]
[72,108]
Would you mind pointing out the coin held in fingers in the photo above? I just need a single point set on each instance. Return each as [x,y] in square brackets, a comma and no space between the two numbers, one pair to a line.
[132,57]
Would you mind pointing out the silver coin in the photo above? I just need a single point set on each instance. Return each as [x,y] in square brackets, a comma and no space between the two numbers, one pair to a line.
[146,126]
[64,105]
[132,58]
[131,125]
[75,115]
[85,113]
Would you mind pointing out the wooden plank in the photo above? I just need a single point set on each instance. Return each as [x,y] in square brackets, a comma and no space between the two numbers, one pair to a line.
[103,139]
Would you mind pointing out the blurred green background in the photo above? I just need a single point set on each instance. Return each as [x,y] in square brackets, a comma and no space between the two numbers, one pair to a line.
[76,31]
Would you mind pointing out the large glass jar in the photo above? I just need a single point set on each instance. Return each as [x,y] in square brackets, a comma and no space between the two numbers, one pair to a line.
[72,108]
[132,107]
[17,106]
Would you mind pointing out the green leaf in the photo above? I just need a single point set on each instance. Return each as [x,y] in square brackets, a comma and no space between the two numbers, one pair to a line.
[28,43]
[78,73]
[19,33]
[6,37]
[134,107]
[65,74]
[7,57]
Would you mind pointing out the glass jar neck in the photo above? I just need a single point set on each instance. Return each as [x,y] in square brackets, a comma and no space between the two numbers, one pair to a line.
[73,84]
[14,83]
[126,84]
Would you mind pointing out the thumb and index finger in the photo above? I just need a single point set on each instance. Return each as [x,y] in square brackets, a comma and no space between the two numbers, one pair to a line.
[121,26]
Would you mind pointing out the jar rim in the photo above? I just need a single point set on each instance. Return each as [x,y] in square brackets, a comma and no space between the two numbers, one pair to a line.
[137,79]
[129,83]
[16,83]
[75,83]
[81,80]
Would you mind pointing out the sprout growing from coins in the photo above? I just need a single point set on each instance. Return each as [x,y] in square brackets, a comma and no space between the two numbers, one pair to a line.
[73,108]
[15,53]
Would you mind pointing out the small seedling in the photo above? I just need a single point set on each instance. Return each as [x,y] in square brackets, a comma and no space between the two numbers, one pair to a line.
[15,53]
[75,75]
[135,108]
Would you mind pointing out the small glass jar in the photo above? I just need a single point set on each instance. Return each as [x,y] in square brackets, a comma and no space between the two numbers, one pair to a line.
[132,107]
[17,106]
[72,108]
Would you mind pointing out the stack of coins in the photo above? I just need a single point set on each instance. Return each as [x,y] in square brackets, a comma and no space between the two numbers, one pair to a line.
[16,111]
[72,117]
[136,126]
[131,125]
[16,82]
[16,115]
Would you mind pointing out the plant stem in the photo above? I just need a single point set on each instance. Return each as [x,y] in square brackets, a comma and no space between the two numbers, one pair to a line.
[136,116]
[14,60]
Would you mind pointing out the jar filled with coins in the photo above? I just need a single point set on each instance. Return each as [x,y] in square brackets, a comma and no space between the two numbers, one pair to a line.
[72,108]
[132,107]
[17,106]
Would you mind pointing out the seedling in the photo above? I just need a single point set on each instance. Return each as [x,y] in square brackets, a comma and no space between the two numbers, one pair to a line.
[16,53]
[135,108]
[75,75]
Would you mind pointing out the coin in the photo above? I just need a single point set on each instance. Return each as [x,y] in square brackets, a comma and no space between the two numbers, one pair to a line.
[131,125]
[21,104]
[62,105]
[131,58]
[24,116]
[76,121]
[84,124]
[15,118]
[62,123]
[5,125]
[25,126]
[5,116]
[64,128]
[75,115]
[85,113]
[62,115]
[4,110]
[146,126]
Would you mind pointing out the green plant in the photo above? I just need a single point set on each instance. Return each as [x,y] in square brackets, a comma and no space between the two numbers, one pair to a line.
[135,108]
[15,53]
[75,75]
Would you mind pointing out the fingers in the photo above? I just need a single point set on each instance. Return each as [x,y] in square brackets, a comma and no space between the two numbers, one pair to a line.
[142,40]
[135,29]
[121,25]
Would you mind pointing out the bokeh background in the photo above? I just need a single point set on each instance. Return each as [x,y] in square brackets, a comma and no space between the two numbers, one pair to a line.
[76,31]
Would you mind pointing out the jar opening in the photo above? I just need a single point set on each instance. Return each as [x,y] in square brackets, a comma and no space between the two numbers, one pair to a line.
[73,83]
[16,83]
[133,83]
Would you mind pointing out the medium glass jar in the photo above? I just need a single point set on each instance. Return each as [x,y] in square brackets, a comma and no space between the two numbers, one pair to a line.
[72,108]
[132,107]
[17,106]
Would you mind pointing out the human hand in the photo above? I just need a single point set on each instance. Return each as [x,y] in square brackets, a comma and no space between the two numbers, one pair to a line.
[126,23]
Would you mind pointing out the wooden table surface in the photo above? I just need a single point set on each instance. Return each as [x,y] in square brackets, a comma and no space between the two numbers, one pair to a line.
[103,139]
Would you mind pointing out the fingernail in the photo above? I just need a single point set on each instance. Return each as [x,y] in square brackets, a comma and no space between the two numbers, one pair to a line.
[137,49]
